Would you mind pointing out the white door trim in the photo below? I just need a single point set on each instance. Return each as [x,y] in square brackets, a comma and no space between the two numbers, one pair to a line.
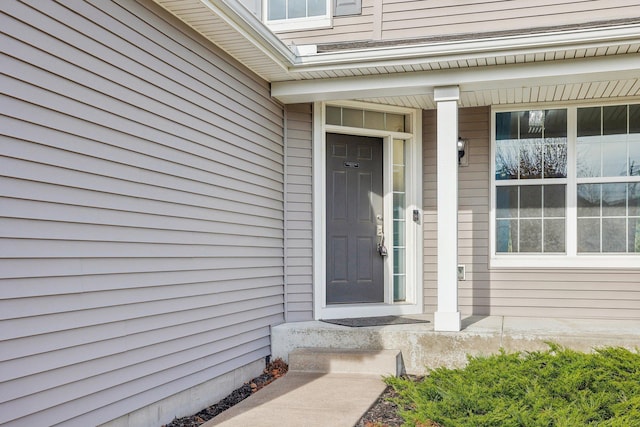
[414,302]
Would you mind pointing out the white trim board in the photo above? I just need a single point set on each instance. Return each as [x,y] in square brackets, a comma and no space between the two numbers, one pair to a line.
[414,230]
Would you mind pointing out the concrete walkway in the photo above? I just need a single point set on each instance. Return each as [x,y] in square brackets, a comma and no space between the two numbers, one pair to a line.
[335,399]
[324,387]
[302,399]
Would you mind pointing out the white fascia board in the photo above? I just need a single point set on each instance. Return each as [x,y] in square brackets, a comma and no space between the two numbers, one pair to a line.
[471,49]
[468,79]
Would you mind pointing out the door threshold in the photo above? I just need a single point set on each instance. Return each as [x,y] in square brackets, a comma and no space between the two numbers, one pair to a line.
[344,311]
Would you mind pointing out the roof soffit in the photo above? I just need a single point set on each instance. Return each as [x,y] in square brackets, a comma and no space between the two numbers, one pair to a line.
[229,25]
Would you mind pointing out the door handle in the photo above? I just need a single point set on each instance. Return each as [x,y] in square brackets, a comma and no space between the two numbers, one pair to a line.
[382,249]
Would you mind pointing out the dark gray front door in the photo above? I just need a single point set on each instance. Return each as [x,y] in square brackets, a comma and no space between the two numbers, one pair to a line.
[355,269]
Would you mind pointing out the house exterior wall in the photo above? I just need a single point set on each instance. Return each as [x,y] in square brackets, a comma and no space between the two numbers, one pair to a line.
[538,292]
[410,19]
[299,213]
[141,195]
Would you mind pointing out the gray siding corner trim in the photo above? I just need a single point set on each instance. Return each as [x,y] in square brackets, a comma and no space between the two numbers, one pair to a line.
[142,211]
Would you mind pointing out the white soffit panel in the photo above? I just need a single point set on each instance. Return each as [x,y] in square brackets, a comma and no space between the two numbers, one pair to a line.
[560,66]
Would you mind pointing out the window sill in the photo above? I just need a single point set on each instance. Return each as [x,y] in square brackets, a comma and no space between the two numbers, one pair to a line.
[539,262]
[299,24]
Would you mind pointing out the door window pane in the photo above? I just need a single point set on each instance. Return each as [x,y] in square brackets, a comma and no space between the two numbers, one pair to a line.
[399,288]
[395,122]
[399,220]
[352,118]
[373,120]
[334,115]
[368,119]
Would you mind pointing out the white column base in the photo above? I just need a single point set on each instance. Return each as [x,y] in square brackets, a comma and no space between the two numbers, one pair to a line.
[447,321]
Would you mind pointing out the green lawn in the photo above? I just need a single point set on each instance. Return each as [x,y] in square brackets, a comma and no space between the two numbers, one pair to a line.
[557,387]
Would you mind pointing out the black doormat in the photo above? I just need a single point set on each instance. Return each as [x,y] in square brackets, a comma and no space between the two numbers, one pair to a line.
[359,322]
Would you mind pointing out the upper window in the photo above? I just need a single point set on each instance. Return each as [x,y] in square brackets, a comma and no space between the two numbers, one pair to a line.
[567,181]
[283,15]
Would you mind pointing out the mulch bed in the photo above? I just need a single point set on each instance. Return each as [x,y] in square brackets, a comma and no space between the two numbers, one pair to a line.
[273,371]
[381,414]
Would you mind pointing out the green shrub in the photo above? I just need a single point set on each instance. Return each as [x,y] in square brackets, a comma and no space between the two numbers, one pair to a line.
[553,388]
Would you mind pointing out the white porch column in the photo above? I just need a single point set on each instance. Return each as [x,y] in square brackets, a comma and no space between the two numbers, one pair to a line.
[447,317]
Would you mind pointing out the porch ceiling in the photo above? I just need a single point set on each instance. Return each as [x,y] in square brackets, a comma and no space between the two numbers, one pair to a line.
[569,65]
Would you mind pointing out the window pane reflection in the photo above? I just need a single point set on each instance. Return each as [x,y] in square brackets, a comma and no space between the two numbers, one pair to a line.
[614,199]
[530,218]
[297,9]
[588,235]
[531,235]
[554,235]
[507,202]
[614,120]
[277,10]
[531,144]
[634,235]
[589,200]
[317,7]
[506,235]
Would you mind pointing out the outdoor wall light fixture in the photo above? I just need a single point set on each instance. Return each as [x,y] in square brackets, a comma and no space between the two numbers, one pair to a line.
[462,149]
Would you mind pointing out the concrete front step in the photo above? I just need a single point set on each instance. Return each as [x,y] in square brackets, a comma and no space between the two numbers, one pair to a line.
[346,361]
[424,349]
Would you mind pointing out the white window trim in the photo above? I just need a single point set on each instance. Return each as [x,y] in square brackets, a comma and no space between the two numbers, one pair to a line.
[295,24]
[414,258]
[570,259]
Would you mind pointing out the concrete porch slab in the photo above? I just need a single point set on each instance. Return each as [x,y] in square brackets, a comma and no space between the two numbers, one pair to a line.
[424,349]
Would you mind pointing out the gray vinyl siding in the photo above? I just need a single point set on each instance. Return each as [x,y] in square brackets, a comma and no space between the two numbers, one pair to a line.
[415,18]
[539,292]
[411,19]
[141,204]
[299,213]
